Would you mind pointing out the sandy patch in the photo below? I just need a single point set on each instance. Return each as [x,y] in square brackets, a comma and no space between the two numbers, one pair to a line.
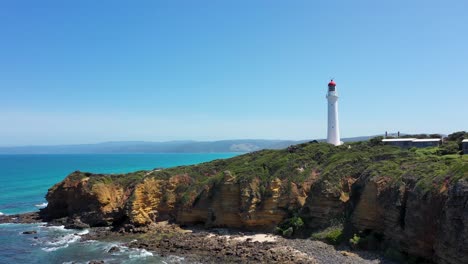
[249,238]
[257,238]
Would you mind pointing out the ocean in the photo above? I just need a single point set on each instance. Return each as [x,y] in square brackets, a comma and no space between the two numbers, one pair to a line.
[24,181]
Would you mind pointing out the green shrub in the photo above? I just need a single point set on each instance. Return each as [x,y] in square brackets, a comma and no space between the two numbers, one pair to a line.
[290,226]
[448,148]
[288,232]
[354,241]
[332,235]
[376,141]
[366,241]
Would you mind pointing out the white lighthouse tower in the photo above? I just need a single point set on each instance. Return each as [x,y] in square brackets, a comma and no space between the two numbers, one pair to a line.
[333,135]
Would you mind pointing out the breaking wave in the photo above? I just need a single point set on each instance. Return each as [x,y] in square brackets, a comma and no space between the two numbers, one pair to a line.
[140,253]
[63,241]
[42,205]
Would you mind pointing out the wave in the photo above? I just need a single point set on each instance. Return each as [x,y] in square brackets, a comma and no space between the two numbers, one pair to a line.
[174,259]
[50,249]
[42,205]
[64,241]
[62,227]
[131,252]
[2,213]
[140,253]
[84,232]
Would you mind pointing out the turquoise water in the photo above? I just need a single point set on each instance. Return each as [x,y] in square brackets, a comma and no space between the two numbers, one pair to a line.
[24,181]
[59,245]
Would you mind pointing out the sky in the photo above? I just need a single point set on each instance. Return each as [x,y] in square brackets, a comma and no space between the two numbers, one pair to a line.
[76,72]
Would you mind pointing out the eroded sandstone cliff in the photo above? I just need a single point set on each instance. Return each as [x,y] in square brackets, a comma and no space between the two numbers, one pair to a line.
[413,202]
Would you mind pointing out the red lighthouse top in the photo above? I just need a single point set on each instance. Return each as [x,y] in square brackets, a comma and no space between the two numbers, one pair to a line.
[332,83]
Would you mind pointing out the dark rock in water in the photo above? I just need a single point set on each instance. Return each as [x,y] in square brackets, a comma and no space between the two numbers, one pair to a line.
[96,262]
[26,218]
[36,237]
[30,232]
[76,224]
[114,249]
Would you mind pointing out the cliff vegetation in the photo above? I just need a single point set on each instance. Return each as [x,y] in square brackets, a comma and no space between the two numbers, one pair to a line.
[410,203]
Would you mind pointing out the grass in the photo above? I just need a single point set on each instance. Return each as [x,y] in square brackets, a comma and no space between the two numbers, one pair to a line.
[296,164]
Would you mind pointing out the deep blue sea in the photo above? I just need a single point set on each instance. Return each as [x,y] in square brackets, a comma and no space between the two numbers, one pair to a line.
[24,181]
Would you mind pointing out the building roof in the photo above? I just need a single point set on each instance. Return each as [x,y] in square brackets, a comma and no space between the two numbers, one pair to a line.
[397,139]
[465,140]
[411,140]
[427,140]
[332,83]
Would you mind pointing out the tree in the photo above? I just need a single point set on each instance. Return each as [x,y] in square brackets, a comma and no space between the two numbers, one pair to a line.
[376,141]
[457,136]
[448,148]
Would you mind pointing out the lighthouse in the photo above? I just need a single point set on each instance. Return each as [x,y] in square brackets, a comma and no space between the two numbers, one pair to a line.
[333,134]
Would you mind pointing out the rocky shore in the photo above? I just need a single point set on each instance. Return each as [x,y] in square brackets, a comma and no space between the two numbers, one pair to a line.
[229,246]
[26,218]
[216,245]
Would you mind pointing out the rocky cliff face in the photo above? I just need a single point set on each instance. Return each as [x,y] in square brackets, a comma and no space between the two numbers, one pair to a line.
[452,234]
[423,217]
[429,225]
[226,204]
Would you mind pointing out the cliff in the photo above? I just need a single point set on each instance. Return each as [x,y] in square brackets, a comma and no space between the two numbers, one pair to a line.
[412,202]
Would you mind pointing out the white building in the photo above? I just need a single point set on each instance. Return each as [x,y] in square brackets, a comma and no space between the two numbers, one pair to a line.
[465,146]
[413,142]
[333,133]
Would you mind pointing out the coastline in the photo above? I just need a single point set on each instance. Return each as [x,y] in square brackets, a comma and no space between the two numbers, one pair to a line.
[337,195]
[196,244]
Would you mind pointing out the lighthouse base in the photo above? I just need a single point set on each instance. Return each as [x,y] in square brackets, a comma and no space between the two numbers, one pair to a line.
[335,143]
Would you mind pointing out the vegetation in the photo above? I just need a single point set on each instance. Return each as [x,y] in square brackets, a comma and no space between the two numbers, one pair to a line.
[448,148]
[457,136]
[129,180]
[355,241]
[422,136]
[290,226]
[431,167]
[331,169]
[332,235]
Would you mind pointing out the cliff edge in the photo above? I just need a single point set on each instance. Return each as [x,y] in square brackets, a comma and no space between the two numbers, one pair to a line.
[412,203]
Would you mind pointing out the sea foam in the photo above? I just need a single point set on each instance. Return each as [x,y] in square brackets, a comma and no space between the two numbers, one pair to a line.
[50,249]
[62,227]
[64,241]
[42,205]
[84,232]
[140,253]
[174,259]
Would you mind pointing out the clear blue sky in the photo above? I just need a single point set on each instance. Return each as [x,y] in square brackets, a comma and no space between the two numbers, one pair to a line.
[92,71]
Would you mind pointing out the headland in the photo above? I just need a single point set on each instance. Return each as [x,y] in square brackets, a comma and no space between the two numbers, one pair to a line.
[406,204]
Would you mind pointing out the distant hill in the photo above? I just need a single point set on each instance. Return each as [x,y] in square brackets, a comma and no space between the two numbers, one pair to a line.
[240,145]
